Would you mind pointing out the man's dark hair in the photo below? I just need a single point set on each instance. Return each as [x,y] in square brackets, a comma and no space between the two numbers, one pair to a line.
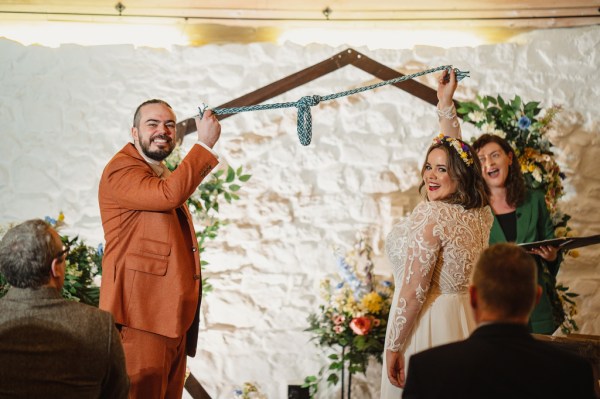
[26,254]
[137,116]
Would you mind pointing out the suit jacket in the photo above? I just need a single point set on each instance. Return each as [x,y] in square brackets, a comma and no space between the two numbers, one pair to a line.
[498,361]
[54,348]
[535,224]
[151,268]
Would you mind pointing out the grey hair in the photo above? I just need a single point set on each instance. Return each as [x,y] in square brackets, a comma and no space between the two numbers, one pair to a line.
[26,254]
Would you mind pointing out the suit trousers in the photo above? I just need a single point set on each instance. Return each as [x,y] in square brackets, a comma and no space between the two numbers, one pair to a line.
[155,364]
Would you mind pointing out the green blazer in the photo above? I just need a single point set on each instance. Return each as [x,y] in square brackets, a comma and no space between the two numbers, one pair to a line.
[534,224]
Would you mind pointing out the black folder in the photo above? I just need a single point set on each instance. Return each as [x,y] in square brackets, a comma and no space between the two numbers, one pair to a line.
[565,243]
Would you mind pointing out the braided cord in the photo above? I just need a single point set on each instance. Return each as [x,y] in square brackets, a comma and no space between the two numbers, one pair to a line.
[303,105]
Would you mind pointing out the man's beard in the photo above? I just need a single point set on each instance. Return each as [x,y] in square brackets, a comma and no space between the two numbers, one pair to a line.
[157,155]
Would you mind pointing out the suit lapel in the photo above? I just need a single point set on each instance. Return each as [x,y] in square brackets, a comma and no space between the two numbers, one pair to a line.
[524,215]
[496,234]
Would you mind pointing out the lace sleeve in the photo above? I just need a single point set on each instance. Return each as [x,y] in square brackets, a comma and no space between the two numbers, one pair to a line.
[422,251]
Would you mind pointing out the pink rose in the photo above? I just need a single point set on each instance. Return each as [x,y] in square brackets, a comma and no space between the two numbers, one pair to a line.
[338,329]
[338,319]
[361,325]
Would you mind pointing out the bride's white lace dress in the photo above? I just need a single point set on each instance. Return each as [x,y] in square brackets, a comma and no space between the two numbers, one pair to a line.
[432,253]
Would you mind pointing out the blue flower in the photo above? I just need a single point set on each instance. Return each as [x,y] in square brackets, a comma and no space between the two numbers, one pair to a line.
[50,221]
[524,123]
[100,249]
[339,285]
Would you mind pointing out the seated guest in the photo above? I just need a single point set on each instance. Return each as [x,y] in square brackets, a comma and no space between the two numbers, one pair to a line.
[51,347]
[500,359]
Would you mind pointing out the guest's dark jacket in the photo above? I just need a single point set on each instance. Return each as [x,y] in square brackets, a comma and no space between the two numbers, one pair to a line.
[54,348]
[498,361]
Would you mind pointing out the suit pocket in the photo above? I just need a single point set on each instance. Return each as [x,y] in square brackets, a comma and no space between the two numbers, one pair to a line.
[153,257]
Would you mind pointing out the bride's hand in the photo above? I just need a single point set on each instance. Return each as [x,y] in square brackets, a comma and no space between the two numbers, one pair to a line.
[446,89]
[395,368]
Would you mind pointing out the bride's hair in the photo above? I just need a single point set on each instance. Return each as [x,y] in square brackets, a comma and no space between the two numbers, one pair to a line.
[471,190]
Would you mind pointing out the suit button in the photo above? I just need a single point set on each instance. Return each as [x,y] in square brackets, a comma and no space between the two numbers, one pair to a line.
[197,277]
[194,249]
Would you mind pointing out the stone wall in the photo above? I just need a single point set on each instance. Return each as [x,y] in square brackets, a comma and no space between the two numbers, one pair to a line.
[64,112]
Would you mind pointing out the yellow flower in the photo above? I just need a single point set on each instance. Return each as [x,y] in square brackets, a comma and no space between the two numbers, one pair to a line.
[372,302]
[560,232]
[574,253]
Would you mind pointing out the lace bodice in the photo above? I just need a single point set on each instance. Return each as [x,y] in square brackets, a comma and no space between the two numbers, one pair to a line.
[433,249]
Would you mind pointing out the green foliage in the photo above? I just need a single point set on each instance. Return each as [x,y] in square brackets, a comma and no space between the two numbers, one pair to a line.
[204,202]
[3,286]
[312,383]
[83,264]
[569,307]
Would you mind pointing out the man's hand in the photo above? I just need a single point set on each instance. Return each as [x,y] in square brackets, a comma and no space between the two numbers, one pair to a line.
[209,128]
[396,371]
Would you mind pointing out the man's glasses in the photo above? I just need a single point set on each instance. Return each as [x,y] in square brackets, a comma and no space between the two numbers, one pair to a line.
[64,252]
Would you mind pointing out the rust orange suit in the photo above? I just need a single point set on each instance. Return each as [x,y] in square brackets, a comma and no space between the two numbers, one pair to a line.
[151,279]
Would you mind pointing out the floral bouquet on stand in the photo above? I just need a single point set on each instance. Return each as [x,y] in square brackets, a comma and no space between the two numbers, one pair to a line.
[351,322]
[250,390]
[524,126]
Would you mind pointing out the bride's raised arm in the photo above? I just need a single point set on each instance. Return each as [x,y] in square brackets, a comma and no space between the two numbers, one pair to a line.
[449,125]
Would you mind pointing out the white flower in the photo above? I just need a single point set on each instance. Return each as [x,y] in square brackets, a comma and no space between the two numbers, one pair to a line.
[499,133]
[537,174]
[476,116]
[488,127]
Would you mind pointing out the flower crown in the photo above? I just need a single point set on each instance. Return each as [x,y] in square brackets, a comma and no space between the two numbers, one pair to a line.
[461,148]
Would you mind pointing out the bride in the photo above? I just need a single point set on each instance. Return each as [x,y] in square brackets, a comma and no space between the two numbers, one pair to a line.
[433,250]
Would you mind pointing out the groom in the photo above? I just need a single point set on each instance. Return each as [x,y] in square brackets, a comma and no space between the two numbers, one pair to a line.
[151,279]
[500,359]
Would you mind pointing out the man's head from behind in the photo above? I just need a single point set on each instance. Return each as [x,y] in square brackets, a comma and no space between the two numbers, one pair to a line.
[32,255]
[504,284]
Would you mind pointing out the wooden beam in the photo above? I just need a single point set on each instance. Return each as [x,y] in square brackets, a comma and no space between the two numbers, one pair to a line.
[274,89]
[194,388]
[346,57]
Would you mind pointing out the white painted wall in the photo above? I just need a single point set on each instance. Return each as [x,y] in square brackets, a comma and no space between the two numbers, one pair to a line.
[64,112]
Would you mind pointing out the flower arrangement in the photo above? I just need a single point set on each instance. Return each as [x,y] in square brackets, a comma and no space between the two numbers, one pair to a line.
[462,149]
[524,126]
[352,318]
[250,390]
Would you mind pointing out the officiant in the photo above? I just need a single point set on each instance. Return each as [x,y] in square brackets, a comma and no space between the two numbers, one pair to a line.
[521,216]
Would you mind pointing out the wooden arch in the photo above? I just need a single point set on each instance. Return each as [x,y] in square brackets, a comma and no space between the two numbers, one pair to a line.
[340,60]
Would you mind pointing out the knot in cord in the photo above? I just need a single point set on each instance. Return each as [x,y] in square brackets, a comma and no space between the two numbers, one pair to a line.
[303,105]
[305,118]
